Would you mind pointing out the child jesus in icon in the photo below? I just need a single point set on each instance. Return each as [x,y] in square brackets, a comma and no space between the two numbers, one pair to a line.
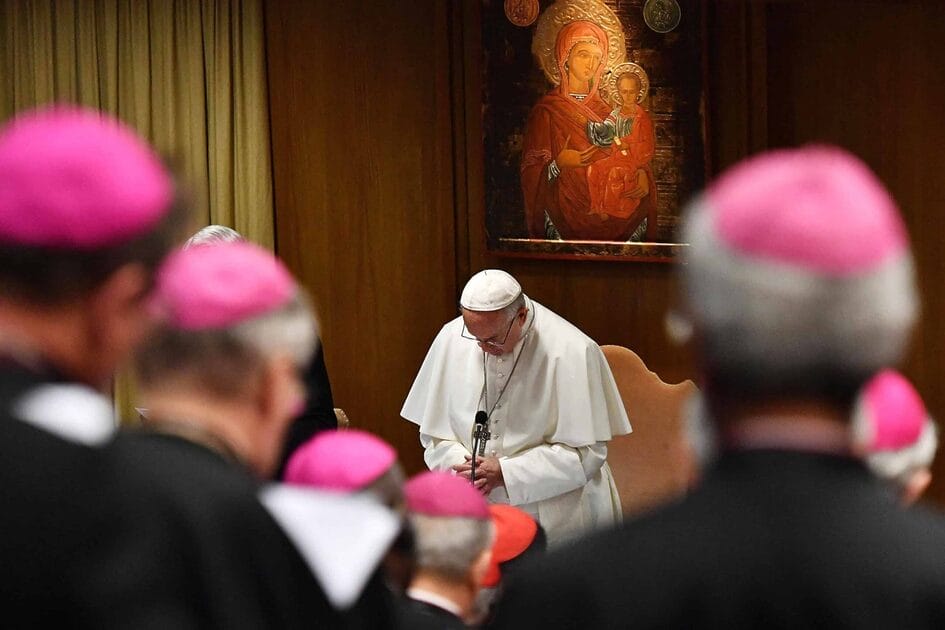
[619,182]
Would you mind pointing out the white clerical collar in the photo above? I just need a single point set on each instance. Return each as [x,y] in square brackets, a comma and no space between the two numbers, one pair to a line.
[70,411]
[342,538]
[429,597]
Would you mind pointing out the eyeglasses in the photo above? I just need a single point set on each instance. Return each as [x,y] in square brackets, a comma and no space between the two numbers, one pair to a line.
[488,342]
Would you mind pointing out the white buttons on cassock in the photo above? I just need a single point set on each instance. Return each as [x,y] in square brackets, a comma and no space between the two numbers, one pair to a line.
[493,452]
[501,374]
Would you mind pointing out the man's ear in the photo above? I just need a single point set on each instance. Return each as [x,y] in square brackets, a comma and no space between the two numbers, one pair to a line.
[916,486]
[280,397]
[116,318]
[280,392]
[479,568]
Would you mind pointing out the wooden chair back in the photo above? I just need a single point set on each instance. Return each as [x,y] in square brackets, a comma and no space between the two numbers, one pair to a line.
[654,464]
[342,418]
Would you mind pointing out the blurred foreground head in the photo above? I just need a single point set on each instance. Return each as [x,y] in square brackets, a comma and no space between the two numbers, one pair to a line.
[358,463]
[893,432]
[87,212]
[798,278]
[453,528]
[236,331]
[518,538]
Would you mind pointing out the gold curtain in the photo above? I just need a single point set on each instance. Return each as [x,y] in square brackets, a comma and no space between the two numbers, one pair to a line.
[190,75]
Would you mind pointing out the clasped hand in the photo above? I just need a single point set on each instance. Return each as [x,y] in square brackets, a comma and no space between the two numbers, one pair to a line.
[488,473]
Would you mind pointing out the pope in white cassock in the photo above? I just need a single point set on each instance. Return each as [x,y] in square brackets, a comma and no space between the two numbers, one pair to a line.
[550,399]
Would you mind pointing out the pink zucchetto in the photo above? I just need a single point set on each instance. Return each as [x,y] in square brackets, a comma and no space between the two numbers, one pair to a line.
[894,412]
[76,179]
[893,432]
[441,494]
[816,208]
[798,259]
[215,287]
[342,461]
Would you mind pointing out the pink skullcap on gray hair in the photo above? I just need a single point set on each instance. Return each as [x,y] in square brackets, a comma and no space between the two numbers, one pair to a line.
[892,428]
[798,258]
[346,461]
[441,494]
[816,208]
[203,288]
[893,410]
[76,179]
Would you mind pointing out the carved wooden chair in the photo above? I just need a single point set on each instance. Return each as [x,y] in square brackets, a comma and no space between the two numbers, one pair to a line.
[342,418]
[652,465]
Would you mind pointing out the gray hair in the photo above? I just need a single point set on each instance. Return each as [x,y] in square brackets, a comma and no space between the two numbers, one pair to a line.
[449,546]
[699,429]
[388,489]
[213,234]
[223,360]
[783,328]
[899,466]
[517,304]
[291,330]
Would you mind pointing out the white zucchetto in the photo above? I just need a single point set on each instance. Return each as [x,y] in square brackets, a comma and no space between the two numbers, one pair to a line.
[490,290]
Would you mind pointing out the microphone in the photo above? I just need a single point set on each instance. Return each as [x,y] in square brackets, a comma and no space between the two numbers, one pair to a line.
[479,427]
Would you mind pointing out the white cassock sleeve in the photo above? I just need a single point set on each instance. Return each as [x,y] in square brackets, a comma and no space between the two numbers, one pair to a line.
[548,470]
[442,454]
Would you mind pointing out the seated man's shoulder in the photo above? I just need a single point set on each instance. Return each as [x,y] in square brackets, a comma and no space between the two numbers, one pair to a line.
[184,474]
[556,331]
[449,332]
[923,524]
